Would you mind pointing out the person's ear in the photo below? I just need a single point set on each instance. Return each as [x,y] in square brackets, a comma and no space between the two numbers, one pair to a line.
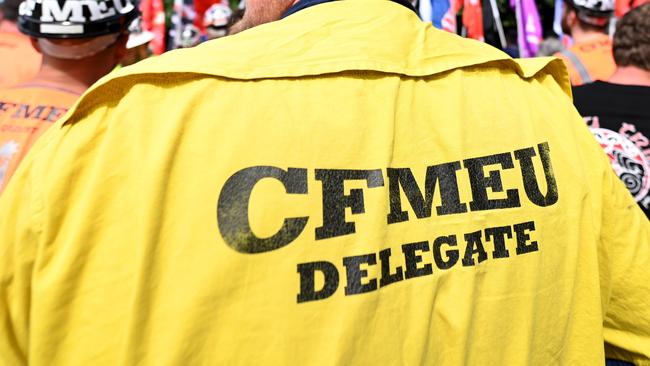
[34,42]
[120,47]
[572,17]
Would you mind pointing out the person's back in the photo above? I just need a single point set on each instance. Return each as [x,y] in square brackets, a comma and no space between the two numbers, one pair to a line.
[616,110]
[622,127]
[19,61]
[26,112]
[328,190]
[589,60]
[590,57]
[76,53]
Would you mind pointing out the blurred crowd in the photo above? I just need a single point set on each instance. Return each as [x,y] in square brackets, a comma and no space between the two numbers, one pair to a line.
[51,51]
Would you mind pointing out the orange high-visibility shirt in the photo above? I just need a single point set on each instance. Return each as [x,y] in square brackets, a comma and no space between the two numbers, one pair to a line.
[19,61]
[25,113]
[589,61]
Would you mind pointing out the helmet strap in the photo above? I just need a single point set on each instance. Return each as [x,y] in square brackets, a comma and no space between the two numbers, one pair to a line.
[592,20]
[78,51]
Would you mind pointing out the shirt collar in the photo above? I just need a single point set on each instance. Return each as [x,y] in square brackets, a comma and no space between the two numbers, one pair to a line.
[304,4]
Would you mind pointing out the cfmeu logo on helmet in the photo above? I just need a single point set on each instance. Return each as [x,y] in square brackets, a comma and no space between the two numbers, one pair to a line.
[75,18]
[594,12]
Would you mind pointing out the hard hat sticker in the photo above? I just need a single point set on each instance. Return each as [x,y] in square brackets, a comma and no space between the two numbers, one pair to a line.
[62,29]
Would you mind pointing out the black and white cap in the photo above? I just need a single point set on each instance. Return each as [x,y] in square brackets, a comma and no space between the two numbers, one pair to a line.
[75,18]
[594,12]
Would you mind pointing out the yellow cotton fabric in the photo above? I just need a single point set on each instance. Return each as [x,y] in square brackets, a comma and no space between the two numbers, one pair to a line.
[112,253]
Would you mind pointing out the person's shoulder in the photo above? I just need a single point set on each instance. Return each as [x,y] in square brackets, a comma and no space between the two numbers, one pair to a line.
[35,93]
[247,56]
[551,68]
[19,93]
[587,97]
[600,89]
[594,42]
[11,39]
[595,87]
[311,45]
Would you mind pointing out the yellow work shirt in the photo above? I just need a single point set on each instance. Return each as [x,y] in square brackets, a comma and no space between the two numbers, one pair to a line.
[346,186]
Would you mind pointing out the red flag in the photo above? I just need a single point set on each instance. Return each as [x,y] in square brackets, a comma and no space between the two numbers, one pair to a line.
[449,19]
[153,20]
[473,19]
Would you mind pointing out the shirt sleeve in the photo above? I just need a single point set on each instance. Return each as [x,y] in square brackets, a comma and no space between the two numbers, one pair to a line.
[625,268]
[18,246]
[622,235]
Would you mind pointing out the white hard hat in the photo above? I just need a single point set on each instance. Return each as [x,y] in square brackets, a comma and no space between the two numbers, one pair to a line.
[595,12]
[137,35]
[217,16]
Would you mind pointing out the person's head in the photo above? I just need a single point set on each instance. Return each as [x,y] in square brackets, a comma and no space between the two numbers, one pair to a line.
[549,47]
[216,20]
[81,34]
[586,15]
[261,11]
[9,10]
[632,39]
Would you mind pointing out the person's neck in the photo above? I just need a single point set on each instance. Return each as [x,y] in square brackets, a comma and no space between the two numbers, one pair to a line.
[75,79]
[581,35]
[630,75]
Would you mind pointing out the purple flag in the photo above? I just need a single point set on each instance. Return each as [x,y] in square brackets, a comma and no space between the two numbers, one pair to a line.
[557,18]
[529,27]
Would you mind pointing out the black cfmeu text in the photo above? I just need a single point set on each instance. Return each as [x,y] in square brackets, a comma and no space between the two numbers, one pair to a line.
[445,250]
